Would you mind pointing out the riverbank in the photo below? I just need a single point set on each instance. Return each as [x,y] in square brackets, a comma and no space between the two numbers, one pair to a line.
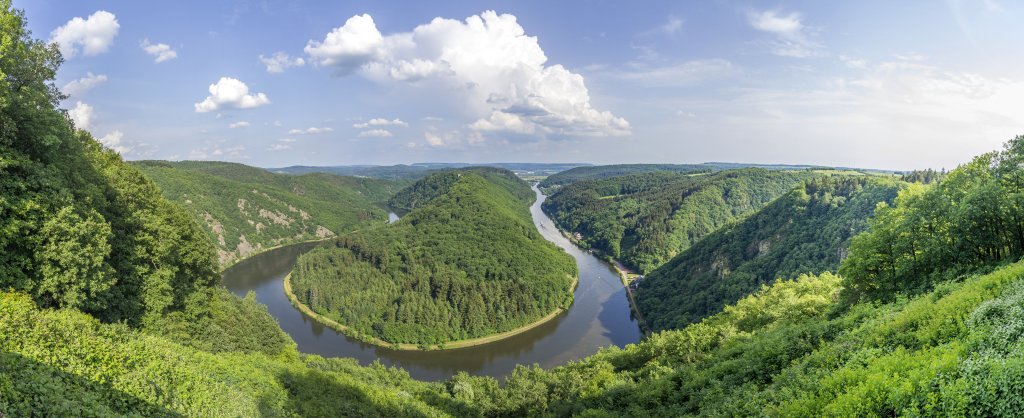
[268,249]
[623,273]
[472,342]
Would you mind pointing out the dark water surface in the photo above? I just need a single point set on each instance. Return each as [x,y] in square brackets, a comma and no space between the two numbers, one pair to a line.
[599,317]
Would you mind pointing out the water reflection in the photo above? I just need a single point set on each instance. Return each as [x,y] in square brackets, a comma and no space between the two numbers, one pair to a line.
[600,316]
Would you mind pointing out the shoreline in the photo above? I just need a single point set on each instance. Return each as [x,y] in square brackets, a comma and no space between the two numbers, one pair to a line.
[623,276]
[471,342]
[268,249]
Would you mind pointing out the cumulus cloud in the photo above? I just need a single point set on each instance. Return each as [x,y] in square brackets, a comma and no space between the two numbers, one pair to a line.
[92,35]
[160,52]
[348,47]
[311,131]
[80,86]
[113,141]
[278,147]
[239,124]
[81,114]
[230,93]
[281,61]
[493,72]
[376,133]
[791,37]
[380,122]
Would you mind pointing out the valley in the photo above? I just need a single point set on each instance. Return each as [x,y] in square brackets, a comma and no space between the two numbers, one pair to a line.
[134,283]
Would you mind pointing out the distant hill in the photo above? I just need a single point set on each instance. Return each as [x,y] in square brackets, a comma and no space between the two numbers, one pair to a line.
[646,219]
[420,170]
[466,262]
[599,172]
[438,184]
[806,231]
[607,171]
[247,209]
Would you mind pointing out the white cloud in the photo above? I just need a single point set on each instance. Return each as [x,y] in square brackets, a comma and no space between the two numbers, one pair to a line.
[771,21]
[230,93]
[791,37]
[278,147]
[286,140]
[349,46]
[311,131]
[81,114]
[376,133]
[487,67]
[80,86]
[92,35]
[160,52]
[281,61]
[113,141]
[433,139]
[239,124]
[380,122]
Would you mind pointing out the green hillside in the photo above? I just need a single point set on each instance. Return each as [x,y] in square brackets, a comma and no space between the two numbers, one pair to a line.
[807,230]
[466,263]
[615,170]
[646,219]
[246,209]
[438,184]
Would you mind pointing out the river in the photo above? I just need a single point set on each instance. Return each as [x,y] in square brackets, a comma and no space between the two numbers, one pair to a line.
[599,317]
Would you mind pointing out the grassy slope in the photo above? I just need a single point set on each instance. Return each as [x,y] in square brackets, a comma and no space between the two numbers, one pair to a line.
[246,209]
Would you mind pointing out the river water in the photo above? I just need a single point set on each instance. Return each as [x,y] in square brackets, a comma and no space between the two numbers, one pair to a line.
[599,317]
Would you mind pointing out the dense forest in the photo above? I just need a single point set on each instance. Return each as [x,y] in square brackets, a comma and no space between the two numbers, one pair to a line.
[438,184]
[466,262]
[554,181]
[247,209]
[807,230]
[646,219]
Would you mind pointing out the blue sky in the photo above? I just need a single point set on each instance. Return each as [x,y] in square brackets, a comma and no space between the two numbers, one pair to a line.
[877,84]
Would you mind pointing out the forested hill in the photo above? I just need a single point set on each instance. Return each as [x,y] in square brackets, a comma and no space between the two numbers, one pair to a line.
[438,184]
[646,219]
[467,263]
[807,230]
[247,209]
[606,171]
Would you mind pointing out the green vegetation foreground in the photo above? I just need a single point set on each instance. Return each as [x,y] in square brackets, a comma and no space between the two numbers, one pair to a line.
[466,262]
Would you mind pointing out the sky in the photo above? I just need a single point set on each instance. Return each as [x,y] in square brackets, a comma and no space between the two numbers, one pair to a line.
[873,84]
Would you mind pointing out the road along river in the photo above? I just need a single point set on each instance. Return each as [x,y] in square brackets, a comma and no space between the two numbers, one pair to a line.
[599,317]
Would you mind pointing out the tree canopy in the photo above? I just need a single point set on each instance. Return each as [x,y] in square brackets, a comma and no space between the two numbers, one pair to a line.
[466,262]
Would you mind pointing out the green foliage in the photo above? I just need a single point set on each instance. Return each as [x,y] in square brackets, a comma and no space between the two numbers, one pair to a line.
[78,227]
[247,209]
[466,263]
[807,230]
[64,363]
[573,175]
[646,219]
[438,184]
[973,218]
